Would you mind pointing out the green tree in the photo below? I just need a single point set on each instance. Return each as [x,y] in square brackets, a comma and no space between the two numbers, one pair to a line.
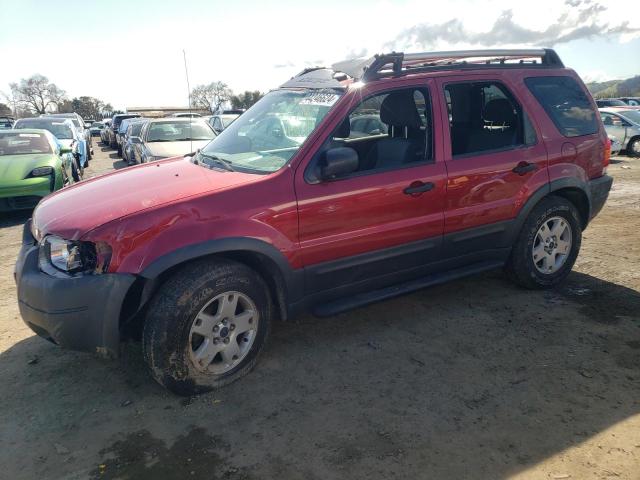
[246,99]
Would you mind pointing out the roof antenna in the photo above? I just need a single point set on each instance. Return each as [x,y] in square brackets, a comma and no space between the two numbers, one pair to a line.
[186,72]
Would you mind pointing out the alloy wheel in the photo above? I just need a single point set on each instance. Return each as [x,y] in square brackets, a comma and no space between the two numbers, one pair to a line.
[223,332]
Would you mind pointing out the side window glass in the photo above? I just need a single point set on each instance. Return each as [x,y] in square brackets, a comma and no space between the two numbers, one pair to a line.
[386,131]
[566,103]
[485,116]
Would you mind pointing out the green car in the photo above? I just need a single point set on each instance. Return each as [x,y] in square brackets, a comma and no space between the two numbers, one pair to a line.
[32,165]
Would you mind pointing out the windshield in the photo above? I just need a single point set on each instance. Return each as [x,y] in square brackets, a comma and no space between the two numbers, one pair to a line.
[179,131]
[61,130]
[15,143]
[265,137]
[632,115]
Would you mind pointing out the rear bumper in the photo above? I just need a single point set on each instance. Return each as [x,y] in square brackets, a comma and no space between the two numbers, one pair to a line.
[79,313]
[599,189]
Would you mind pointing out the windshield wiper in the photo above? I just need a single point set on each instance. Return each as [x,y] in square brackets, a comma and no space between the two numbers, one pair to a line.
[225,163]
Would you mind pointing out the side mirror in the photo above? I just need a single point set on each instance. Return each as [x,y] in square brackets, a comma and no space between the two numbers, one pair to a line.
[339,162]
[64,149]
[135,140]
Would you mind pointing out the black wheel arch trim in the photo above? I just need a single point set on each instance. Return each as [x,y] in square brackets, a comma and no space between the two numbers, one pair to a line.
[292,279]
[544,191]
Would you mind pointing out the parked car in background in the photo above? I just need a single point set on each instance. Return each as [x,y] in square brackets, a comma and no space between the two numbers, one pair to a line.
[624,125]
[286,212]
[96,128]
[6,122]
[610,102]
[631,101]
[115,124]
[131,137]
[104,133]
[616,146]
[221,121]
[172,137]
[67,135]
[81,127]
[33,164]
[120,133]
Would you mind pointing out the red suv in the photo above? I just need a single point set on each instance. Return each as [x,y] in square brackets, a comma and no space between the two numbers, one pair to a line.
[345,186]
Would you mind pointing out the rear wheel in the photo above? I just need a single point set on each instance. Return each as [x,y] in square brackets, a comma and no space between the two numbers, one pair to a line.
[206,326]
[633,147]
[547,246]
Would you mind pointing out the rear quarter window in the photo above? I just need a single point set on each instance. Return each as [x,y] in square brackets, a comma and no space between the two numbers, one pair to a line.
[566,104]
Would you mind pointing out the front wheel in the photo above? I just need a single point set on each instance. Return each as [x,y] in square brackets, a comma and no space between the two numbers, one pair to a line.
[547,246]
[76,171]
[206,326]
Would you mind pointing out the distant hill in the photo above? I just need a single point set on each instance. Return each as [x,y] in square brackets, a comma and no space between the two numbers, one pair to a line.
[616,88]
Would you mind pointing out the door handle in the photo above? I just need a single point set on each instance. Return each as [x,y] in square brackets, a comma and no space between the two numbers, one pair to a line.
[524,167]
[416,188]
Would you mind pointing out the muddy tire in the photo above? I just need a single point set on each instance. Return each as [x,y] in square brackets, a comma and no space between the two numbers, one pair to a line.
[547,246]
[206,326]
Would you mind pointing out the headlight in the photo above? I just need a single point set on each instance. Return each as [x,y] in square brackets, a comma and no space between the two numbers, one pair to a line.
[41,172]
[72,256]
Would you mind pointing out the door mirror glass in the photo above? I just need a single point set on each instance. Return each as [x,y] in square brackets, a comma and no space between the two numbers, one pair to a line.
[339,162]
[64,150]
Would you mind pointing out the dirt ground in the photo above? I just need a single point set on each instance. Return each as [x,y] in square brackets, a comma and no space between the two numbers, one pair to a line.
[476,379]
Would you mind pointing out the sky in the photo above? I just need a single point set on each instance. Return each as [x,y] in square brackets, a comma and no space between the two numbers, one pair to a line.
[130,53]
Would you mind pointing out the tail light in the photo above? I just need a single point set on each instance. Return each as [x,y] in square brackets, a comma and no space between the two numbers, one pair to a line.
[607,156]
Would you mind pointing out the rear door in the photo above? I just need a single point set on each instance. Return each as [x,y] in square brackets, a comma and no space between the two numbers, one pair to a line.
[383,222]
[495,158]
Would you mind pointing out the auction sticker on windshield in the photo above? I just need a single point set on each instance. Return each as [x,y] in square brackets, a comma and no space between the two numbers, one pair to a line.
[321,99]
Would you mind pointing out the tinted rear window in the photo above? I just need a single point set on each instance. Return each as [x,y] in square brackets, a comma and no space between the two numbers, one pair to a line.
[566,103]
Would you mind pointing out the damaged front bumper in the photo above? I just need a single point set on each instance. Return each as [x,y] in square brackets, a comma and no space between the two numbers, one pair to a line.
[75,312]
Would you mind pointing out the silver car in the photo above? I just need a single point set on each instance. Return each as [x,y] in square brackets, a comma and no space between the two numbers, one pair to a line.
[172,137]
[624,125]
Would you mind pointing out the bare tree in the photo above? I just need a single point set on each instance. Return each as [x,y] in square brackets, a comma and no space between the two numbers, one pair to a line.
[37,94]
[210,97]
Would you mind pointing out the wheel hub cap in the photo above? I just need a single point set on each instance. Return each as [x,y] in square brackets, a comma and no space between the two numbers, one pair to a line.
[552,245]
[223,332]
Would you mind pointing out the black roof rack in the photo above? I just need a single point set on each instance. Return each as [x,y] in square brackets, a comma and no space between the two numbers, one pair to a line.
[399,63]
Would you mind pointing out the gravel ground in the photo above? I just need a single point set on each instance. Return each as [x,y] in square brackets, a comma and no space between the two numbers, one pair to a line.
[476,379]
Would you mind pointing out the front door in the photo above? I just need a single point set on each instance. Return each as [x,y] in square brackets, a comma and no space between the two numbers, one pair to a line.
[383,221]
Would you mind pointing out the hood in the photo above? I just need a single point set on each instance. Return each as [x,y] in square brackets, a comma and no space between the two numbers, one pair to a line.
[75,210]
[172,149]
[14,168]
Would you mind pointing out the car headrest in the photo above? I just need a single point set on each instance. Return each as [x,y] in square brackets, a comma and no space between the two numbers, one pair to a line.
[399,109]
[607,121]
[499,110]
[343,130]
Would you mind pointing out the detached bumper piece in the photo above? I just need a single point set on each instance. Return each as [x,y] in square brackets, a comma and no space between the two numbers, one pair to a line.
[75,312]
[599,188]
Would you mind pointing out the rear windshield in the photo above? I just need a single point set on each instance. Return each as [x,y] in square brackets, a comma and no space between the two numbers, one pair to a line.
[16,143]
[566,103]
[60,129]
[180,131]
[135,129]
